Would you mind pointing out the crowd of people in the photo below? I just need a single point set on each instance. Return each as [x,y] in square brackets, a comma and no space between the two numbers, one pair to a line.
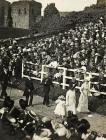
[82,46]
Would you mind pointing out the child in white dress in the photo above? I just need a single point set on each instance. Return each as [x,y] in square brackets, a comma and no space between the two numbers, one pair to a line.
[60,109]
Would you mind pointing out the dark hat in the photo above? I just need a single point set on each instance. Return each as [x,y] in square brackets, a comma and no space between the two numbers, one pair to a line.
[22,103]
[83,126]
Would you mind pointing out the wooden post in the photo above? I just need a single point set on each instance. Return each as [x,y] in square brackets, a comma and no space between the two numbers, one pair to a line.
[64,78]
[42,72]
[22,69]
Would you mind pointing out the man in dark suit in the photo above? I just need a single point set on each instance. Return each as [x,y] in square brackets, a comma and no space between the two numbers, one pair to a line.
[47,83]
[28,93]
[5,76]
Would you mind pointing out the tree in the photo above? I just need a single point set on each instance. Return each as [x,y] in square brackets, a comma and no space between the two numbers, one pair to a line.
[51,10]
[51,24]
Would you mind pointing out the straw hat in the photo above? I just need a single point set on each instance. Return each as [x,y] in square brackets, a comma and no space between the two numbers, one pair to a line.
[32,114]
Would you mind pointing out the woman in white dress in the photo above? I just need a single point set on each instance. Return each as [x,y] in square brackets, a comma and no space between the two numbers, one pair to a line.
[71,101]
[60,107]
[83,99]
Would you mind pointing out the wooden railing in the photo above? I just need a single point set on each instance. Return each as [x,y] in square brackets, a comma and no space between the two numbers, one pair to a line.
[37,72]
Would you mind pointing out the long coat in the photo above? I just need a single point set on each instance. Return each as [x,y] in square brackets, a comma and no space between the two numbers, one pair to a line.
[47,82]
[5,77]
[29,87]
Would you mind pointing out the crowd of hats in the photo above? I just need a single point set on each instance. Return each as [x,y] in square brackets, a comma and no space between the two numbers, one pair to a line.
[35,127]
[84,46]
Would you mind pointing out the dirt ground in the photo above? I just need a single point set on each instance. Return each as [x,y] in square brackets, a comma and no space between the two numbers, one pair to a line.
[97,122]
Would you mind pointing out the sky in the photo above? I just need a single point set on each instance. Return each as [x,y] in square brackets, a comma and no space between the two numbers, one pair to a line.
[67,5]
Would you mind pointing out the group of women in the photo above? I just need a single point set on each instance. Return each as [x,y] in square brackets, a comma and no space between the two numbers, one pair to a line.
[69,103]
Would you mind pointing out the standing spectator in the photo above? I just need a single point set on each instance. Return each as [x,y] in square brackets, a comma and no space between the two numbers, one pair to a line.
[83,99]
[47,83]
[71,97]
[28,93]
[60,107]
[18,67]
[5,78]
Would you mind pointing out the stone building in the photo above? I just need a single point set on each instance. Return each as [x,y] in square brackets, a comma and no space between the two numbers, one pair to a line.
[4,6]
[24,13]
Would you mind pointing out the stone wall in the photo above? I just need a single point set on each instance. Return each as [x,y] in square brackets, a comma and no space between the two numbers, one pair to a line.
[20,15]
[24,13]
[4,5]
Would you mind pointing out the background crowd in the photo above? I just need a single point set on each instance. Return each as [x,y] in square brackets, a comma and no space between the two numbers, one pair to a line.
[82,46]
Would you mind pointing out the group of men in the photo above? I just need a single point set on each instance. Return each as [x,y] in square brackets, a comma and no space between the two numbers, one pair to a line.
[30,89]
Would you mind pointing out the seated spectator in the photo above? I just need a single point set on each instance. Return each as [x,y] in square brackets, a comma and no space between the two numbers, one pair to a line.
[60,130]
[83,126]
[71,121]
